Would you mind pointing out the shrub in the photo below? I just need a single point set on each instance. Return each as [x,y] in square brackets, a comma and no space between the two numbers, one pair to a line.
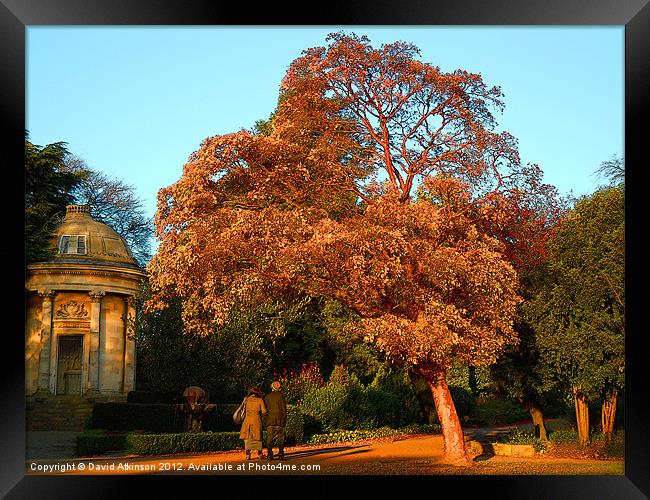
[385,409]
[132,416]
[167,444]
[615,447]
[463,400]
[340,404]
[298,426]
[326,406]
[296,384]
[497,410]
[345,403]
[88,422]
[154,397]
[342,435]
[97,442]
[294,430]
[220,420]
[393,398]
[563,436]
[520,436]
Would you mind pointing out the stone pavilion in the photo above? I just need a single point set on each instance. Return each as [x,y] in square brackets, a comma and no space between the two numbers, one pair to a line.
[79,312]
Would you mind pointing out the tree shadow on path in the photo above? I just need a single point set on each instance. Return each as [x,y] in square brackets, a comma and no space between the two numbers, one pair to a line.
[321,451]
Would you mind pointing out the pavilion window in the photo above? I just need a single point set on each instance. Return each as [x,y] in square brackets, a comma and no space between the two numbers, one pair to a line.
[73,244]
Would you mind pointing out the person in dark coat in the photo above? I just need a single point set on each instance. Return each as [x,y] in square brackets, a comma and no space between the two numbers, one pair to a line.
[276,420]
[251,427]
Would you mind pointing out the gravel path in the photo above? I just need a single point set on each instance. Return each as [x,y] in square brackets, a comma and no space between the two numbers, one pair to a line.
[406,455]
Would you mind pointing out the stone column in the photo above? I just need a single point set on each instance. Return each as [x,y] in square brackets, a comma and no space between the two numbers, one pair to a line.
[129,345]
[46,340]
[93,361]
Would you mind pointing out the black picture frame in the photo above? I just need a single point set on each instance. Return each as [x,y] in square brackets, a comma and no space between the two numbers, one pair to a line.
[16,15]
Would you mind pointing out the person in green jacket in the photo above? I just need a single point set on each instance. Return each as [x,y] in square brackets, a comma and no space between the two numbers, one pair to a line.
[276,419]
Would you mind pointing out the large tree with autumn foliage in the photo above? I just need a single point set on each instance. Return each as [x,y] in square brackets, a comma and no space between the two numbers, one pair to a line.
[379,182]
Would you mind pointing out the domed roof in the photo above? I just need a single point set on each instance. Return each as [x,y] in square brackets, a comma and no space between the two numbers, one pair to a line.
[81,238]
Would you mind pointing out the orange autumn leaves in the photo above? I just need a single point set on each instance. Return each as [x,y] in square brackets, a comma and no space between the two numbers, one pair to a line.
[379,184]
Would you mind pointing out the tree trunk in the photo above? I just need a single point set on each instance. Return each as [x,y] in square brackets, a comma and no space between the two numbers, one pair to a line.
[582,416]
[608,415]
[538,421]
[452,432]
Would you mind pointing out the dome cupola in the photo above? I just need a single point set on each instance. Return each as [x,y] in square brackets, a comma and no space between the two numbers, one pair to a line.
[81,238]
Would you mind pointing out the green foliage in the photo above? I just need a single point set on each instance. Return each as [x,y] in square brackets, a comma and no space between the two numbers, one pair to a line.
[463,401]
[220,419]
[225,363]
[299,427]
[345,403]
[96,442]
[297,383]
[48,189]
[345,339]
[287,341]
[338,436]
[615,446]
[519,372]
[477,380]
[579,314]
[299,336]
[132,416]
[394,397]
[563,436]
[167,444]
[521,436]
[338,404]
[497,410]
[153,397]
[116,204]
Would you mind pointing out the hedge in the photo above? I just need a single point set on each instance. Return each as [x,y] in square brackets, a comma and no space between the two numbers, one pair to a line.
[220,420]
[345,403]
[156,418]
[495,411]
[298,429]
[97,443]
[562,436]
[361,434]
[136,416]
[168,444]
[154,397]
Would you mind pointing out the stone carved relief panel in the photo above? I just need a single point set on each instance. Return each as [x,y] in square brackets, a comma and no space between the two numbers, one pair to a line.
[71,310]
[71,314]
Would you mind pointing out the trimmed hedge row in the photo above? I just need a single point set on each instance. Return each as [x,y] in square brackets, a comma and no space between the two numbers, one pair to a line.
[357,435]
[163,419]
[136,416]
[154,397]
[167,444]
[98,442]
[94,443]
[156,418]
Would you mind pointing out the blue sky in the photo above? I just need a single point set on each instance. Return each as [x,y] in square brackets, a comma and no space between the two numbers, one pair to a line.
[135,102]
